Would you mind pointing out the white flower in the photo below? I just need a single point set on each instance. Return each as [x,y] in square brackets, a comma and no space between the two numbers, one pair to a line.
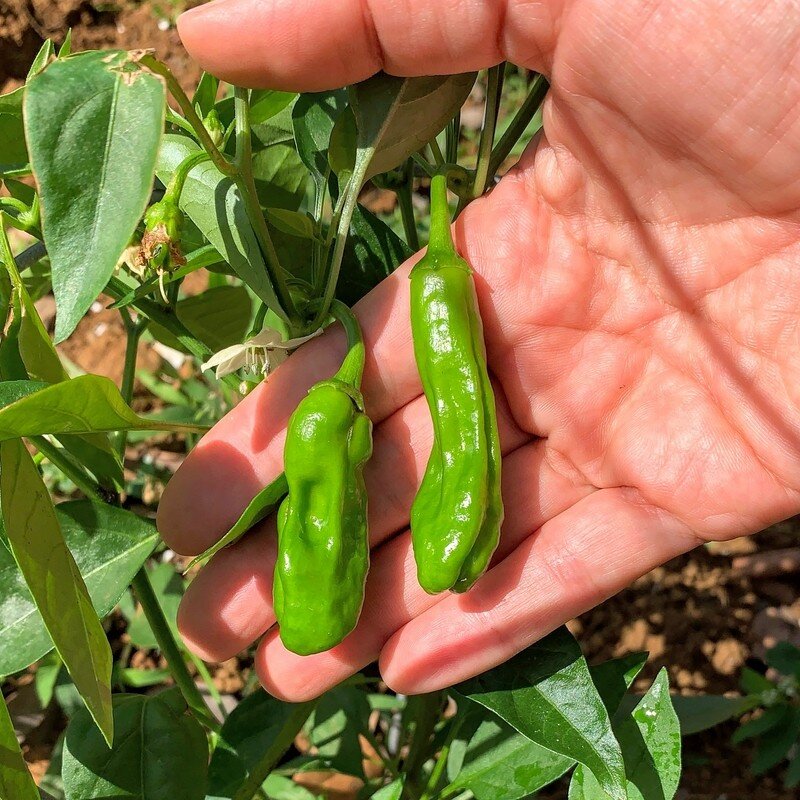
[265,351]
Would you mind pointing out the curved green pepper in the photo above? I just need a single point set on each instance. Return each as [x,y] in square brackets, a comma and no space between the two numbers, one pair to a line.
[458,510]
[323,543]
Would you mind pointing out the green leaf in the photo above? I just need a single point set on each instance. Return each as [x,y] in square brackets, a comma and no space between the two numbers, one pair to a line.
[501,764]
[268,103]
[703,711]
[13,152]
[54,580]
[372,252]
[109,546]
[260,507]
[313,118]
[66,46]
[279,787]
[776,744]
[214,204]
[46,52]
[168,587]
[85,404]
[47,672]
[397,116]
[340,717]
[343,146]
[792,777]
[547,694]
[160,752]
[771,718]
[651,744]
[141,678]
[754,682]
[392,791]
[205,95]
[218,317]
[497,763]
[785,658]
[16,782]
[93,124]
[252,728]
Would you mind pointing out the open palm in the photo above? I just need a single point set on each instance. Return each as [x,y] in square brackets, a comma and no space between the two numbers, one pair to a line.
[637,278]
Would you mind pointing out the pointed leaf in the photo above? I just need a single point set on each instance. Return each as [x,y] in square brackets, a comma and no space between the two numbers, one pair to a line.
[93,124]
[35,537]
[313,118]
[546,693]
[159,752]
[651,744]
[16,782]
[109,546]
[85,404]
[398,116]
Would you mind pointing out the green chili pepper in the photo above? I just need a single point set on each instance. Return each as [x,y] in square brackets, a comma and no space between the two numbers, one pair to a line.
[323,545]
[457,513]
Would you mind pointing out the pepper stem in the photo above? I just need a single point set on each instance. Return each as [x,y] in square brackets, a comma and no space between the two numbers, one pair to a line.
[352,367]
[441,237]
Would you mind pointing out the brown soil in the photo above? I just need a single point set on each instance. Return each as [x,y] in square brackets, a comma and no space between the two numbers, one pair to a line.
[25,24]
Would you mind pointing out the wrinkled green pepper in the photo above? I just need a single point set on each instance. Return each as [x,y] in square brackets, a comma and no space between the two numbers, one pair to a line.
[458,510]
[323,543]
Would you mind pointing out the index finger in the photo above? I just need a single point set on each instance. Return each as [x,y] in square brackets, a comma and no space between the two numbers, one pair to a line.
[310,45]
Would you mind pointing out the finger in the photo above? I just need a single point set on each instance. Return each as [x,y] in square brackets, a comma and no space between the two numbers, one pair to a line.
[229,604]
[244,450]
[575,561]
[535,491]
[324,44]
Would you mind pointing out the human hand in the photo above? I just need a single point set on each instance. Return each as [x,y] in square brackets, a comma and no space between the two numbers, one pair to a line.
[637,279]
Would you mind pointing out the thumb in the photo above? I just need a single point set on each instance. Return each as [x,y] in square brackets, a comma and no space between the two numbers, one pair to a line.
[311,45]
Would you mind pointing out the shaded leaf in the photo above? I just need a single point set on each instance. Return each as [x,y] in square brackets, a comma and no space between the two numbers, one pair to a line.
[341,715]
[703,711]
[218,317]
[257,724]
[313,118]
[372,252]
[109,546]
[52,576]
[93,124]
[168,588]
[397,116]
[16,782]
[160,752]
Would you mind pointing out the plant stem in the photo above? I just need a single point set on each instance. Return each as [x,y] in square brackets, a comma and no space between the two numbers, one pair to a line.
[169,648]
[209,682]
[30,256]
[427,714]
[519,123]
[353,364]
[280,744]
[348,206]
[404,199]
[246,184]
[424,164]
[438,156]
[54,455]
[134,331]
[494,91]
[220,162]
[441,761]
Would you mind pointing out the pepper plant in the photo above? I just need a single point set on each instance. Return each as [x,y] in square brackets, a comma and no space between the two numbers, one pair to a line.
[122,195]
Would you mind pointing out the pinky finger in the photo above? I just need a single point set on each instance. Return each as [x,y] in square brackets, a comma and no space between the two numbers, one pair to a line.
[573,562]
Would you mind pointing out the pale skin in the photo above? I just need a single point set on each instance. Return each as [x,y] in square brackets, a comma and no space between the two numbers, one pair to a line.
[639,278]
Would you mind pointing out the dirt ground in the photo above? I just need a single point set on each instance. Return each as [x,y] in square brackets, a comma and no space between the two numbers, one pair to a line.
[703,616]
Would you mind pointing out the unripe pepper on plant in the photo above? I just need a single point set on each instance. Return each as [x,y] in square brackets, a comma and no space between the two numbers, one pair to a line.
[323,543]
[458,510]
